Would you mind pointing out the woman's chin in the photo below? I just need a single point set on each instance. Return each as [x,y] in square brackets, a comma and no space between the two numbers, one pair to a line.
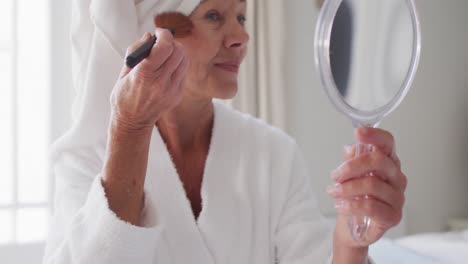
[226,92]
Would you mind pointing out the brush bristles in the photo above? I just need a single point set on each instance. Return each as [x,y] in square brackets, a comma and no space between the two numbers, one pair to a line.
[179,24]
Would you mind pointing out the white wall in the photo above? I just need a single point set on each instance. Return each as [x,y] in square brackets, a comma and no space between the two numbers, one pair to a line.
[22,254]
[431,125]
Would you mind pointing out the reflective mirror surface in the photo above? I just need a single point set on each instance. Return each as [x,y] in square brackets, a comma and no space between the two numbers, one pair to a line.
[371,46]
[367,53]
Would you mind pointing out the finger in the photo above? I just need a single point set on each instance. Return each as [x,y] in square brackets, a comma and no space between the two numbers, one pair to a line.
[349,152]
[404,180]
[372,162]
[173,62]
[370,186]
[178,76]
[176,85]
[160,53]
[380,213]
[382,139]
[125,69]
[164,34]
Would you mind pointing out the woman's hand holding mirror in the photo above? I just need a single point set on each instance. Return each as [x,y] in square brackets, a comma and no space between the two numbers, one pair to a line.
[367,53]
[380,195]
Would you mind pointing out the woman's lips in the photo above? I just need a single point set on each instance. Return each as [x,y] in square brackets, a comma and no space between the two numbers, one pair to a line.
[229,66]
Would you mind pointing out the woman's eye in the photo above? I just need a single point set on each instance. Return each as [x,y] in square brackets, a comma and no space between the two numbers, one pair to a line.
[241,19]
[213,16]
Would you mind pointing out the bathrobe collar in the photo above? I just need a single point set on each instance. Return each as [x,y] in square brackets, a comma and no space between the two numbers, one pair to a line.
[165,192]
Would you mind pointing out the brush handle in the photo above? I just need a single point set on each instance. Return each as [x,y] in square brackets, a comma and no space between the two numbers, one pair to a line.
[141,53]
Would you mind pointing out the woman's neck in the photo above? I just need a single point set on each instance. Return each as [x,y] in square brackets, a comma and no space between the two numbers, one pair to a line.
[188,125]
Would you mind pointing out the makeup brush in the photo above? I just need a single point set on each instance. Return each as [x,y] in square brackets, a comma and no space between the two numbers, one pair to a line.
[177,23]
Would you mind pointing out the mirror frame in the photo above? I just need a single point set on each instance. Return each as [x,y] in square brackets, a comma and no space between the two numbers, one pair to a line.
[322,61]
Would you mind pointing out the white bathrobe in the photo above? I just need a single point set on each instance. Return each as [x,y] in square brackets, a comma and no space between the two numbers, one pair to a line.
[258,205]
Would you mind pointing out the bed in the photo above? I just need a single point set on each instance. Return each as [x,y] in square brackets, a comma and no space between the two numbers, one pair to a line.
[430,248]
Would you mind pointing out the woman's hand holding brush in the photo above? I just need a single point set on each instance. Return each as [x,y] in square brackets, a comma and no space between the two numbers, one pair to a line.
[151,80]
[154,86]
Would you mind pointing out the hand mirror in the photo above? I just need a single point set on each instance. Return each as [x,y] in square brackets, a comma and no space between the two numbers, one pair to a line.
[367,53]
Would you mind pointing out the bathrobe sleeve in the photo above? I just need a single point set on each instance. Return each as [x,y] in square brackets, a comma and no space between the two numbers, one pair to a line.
[84,229]
[302,236]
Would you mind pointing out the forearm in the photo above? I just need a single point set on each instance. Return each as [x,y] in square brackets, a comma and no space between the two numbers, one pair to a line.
[124,171]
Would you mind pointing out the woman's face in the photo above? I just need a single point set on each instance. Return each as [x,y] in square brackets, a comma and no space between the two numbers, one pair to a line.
[216,47]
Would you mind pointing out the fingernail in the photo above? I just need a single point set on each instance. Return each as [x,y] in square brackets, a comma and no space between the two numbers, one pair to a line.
[340,204]
[348,148]
[334,175]
[335,189]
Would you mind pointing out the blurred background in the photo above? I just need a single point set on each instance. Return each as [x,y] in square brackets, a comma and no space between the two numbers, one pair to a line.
[430,127]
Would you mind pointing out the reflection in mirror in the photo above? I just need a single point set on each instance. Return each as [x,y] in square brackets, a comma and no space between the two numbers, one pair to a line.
[371,45]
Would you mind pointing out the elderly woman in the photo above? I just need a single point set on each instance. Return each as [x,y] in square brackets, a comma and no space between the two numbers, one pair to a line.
[182,178]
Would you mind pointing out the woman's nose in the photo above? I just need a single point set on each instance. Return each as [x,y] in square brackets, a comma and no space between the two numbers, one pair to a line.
[236,37]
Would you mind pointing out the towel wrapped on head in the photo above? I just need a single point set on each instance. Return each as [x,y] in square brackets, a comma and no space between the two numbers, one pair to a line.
[101,32]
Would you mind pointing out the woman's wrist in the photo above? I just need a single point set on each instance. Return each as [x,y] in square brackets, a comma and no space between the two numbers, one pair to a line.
[121,128]
[349,254]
